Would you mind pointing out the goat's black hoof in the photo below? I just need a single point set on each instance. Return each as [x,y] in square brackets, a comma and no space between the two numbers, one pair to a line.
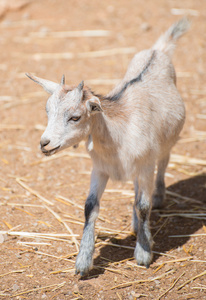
[147,266]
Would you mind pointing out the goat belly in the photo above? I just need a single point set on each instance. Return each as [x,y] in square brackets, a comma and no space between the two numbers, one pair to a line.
[114,167]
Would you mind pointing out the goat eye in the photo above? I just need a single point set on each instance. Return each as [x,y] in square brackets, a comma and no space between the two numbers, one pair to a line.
[75,119]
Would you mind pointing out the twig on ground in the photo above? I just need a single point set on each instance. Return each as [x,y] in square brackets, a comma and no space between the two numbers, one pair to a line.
[63,271]
[130,248]
[20,204]
[193,278]
[126,284]
[11,272]
[112,270]
[73,34]
[174,260]
[33,243]
[72,55]
[65,225]
[164,223]
[11,127]
[173,194]
[48,236]
[185,160]
[33,192]
[60,155]
[171,287]
[184,215]
[187,235]
[48,287]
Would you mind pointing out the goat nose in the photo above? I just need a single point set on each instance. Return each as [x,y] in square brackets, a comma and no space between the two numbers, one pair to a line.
[44,143]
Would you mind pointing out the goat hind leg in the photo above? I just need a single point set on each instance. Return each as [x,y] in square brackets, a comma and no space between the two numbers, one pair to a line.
[85,257]
[134,215]
[143,203]
[159,192]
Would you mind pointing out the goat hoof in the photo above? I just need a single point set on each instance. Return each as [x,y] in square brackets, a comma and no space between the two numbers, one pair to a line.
[147,266]
[83,263]
[81,273]
[157,201]
[143,257]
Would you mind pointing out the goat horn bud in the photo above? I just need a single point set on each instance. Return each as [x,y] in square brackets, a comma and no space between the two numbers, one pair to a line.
[62,80]
[81,85]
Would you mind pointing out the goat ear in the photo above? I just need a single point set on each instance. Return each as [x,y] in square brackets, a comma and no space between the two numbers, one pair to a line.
[48,86]
[94,105]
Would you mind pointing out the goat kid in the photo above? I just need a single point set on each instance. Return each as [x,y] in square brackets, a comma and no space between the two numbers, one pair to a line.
[127,133]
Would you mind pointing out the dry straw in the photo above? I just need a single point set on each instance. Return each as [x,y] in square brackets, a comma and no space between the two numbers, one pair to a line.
[33,192]
[71,34]
[191,279]
[60,155]
[72,55]
[171,287]
[65,225]
[126,284]
[52,287]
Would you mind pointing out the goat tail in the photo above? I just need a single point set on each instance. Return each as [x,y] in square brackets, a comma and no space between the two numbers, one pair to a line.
[167,41]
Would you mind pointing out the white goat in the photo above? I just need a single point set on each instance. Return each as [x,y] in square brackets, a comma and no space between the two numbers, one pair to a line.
[127,133]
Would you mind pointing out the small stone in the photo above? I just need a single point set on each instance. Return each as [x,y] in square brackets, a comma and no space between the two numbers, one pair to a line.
[44,296]
[135,295]
[145,26]
[69,293]
[157,282]
[3,238]
[15,287]
[76,289]
[59,250]
[44,31]
[110,8]
[167,268]
[26,16]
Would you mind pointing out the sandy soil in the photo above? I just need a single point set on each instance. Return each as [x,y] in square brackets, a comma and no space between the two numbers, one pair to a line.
[42,267]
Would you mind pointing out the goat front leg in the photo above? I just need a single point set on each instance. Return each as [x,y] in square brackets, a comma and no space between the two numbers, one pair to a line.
[141,215]
[85,257]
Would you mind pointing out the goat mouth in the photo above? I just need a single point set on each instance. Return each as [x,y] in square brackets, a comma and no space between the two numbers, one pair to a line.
[50,152]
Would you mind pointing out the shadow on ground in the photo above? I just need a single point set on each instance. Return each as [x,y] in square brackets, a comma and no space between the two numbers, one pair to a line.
[195,188]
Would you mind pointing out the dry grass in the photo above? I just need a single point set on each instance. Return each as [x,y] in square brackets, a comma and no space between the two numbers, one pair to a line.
[32,235]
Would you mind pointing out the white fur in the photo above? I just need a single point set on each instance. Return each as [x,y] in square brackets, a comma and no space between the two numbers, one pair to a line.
[125,138]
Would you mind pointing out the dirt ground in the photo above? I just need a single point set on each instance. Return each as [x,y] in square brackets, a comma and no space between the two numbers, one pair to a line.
[42,199]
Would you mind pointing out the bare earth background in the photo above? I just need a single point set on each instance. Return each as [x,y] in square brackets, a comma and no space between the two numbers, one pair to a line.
[42,199]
